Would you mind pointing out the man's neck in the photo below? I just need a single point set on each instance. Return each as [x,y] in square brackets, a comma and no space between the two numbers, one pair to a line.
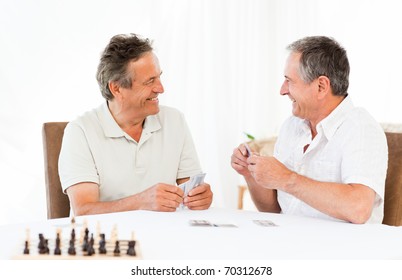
[131,125]
[325,109]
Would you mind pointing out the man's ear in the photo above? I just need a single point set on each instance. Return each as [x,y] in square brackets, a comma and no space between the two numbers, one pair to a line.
[114,88]
[324,87]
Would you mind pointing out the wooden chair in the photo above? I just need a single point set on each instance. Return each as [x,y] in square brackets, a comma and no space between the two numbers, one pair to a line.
[393,182]
[58,204]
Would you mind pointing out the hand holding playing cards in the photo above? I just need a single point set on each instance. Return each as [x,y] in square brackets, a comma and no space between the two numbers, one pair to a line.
[161,197]
[269,172]
[239,160]
[197,194]
[199,198]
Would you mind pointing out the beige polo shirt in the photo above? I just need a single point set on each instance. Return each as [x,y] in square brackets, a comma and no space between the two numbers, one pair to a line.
[95,149]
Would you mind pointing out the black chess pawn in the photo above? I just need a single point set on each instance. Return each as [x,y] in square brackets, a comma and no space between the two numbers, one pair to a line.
[85,241]
[131,248]
[57,250]
[26,248]
[71,248]
[91,250]
[102,244]
[116,251]
[73,234]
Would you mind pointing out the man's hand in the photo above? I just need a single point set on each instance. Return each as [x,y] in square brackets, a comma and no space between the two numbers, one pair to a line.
[161,197]
[269,172]
[239,161]
[199,198]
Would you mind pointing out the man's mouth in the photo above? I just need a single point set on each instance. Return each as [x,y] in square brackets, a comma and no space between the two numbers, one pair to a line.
[153,99]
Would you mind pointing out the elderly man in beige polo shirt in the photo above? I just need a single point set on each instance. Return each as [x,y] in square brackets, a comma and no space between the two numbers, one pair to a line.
[130,153]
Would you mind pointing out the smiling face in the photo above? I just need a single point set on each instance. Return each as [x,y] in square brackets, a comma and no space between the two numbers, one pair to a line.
[146,85]
[303,95]
[141,99]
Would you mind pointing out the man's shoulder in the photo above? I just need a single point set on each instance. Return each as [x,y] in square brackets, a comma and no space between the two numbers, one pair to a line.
[88,118]
[360,119]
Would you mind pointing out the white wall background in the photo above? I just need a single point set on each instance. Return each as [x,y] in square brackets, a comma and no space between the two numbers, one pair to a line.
[222,62]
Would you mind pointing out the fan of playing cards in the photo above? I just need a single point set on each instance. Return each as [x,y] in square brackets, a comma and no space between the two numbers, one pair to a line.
[192,183]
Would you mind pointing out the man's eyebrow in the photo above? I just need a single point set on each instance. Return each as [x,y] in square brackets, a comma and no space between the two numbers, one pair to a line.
[287,77]
[153,77]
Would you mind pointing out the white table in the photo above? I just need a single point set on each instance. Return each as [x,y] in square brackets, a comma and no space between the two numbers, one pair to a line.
[169,236]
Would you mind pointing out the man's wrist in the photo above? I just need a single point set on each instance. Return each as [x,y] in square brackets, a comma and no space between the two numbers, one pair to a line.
[292,182]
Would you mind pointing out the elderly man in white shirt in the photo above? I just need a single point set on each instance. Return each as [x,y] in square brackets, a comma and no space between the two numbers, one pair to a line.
[330,159]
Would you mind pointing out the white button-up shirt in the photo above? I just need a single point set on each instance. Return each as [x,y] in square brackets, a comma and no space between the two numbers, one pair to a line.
[350,147]
[95,149]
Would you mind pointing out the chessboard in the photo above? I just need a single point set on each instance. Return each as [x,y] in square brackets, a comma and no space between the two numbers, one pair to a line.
[88,246]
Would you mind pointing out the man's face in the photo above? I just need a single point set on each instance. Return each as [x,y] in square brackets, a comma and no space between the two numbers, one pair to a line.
[302,95]
[142,97]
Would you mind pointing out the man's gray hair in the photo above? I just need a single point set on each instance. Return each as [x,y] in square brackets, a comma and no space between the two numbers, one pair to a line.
[114,60]
[323,56]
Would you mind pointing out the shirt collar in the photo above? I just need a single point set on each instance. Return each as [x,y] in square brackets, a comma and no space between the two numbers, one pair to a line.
[113,130]
[331,123]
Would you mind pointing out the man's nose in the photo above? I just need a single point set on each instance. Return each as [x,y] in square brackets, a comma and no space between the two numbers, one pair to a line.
[159,87]
[284,88]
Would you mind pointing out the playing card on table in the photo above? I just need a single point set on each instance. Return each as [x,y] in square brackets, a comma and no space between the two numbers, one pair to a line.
[265,223]
[200,223]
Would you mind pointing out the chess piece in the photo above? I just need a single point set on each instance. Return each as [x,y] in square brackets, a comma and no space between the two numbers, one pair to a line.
[116,251]
[44,248]
[102,244]
[57,250]
[85,241]
[73,235]
[28,236]
[97,233]
[90,249]
[131,248]
[43,245]
[113,235]
[71,248]
[26,248]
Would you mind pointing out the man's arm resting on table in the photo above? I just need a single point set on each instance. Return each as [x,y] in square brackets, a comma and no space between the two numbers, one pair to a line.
[350,202]
[84,198]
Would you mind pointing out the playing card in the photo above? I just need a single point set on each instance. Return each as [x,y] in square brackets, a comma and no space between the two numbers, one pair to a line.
[265,223]
[225,225]
[193,182]
[200,223]
[205,223]
[248,149]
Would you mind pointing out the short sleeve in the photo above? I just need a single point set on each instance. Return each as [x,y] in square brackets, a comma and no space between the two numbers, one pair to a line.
[76,163]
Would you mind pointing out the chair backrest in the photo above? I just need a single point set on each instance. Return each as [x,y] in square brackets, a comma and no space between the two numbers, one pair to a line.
[393,183]
[264,147]
[58,204]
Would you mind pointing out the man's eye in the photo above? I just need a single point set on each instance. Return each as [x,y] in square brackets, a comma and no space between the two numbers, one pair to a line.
[149,82]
